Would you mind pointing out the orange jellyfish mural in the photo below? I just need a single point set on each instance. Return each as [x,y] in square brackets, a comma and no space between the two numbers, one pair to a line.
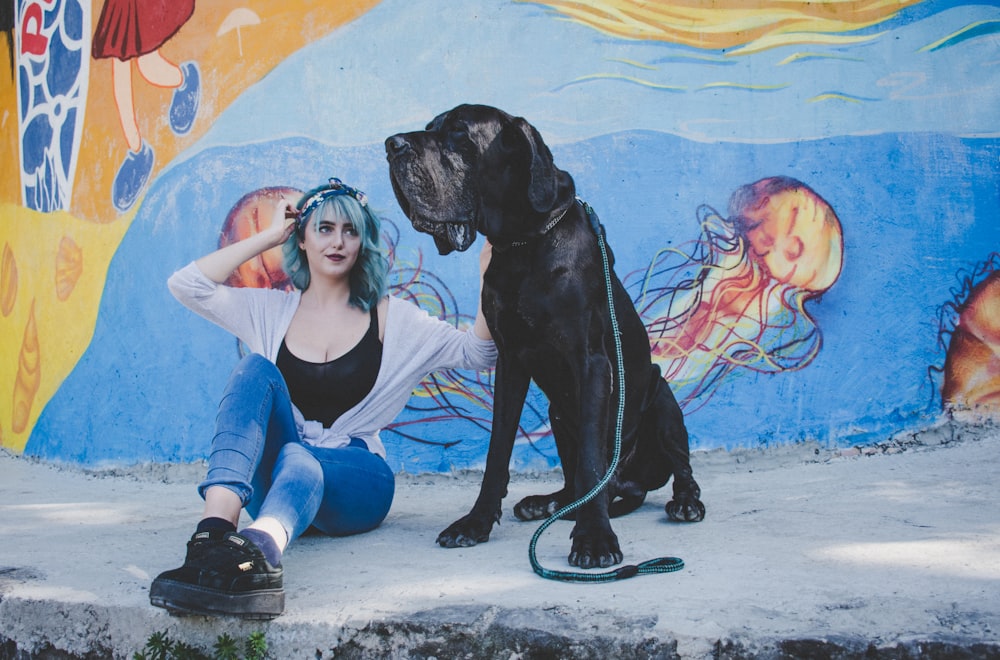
[736,298]
[252,213]
[972,364]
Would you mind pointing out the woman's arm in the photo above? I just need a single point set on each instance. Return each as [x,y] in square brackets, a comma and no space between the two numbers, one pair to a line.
[479,327]
[218,265]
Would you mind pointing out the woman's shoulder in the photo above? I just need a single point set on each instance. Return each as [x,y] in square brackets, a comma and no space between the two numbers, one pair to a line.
[405,316]
[408,322]
[405,310]
[396,305]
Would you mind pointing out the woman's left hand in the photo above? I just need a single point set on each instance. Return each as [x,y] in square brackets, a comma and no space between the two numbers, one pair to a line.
[485,255]
[480,327]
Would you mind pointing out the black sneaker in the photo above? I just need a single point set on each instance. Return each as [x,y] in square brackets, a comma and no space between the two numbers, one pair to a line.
[224,573]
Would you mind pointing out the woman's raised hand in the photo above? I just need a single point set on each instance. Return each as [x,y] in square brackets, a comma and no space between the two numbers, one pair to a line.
[283,223]
[219,264]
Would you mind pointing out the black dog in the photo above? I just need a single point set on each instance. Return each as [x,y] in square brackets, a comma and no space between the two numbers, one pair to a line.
[478,169]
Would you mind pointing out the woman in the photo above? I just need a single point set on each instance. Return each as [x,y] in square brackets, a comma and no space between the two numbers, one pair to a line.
[297,433]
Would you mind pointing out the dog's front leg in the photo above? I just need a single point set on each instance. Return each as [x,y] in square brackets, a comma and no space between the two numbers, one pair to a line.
[539,507]
[686,505]
[594,542]
[510,390]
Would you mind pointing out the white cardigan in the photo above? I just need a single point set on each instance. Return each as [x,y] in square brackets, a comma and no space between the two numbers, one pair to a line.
[415,344]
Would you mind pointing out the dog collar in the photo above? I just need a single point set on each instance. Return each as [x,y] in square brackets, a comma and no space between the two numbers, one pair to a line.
[546,229]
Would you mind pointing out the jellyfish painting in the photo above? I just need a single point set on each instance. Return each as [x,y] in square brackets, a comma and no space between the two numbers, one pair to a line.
[248,216]
[735,298]
[969,329]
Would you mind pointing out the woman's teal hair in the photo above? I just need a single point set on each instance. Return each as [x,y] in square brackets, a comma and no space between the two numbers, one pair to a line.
[370,273]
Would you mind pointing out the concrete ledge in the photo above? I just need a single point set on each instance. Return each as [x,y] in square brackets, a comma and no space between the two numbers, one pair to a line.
[806,552]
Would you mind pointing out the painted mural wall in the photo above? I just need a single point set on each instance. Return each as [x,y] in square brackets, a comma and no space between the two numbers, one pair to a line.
[803,199]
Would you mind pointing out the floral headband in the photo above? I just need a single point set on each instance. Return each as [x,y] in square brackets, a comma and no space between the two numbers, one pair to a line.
[336,187]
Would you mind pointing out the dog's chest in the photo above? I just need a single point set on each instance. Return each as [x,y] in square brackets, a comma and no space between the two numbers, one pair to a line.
[538,313]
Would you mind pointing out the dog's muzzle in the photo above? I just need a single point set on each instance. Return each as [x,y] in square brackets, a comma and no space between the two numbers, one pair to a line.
[448,236]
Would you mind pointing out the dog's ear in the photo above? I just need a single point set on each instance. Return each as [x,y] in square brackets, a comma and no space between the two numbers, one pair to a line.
[543,183]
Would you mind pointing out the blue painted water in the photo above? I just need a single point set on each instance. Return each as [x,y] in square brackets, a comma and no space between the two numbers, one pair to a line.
[916,211]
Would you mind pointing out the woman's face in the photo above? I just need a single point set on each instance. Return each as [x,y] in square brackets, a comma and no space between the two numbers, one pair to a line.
[331,244]
[790,233]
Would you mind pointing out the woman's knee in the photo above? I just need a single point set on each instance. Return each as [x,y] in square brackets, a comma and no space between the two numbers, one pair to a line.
[254,380]
[358,491]
[295,492]
[297,461]
[253,367]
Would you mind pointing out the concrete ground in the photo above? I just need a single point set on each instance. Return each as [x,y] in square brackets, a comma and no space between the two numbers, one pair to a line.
[887,551]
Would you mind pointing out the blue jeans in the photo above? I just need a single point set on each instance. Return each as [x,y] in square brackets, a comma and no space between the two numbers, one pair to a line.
[258,454]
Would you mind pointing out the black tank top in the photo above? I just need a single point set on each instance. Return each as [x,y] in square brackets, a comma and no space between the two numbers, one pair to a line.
[325,391]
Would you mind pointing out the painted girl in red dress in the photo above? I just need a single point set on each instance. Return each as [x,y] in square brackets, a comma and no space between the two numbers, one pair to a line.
[134,30]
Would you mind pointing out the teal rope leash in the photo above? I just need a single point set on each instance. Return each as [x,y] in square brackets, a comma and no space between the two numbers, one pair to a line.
[659,565]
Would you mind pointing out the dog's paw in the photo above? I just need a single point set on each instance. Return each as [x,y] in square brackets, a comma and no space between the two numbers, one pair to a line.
[686,505]
[592,550]
[465,532]
[536,507]
[685,509]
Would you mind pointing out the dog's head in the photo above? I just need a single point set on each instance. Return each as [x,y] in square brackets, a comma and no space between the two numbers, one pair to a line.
[475,169]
